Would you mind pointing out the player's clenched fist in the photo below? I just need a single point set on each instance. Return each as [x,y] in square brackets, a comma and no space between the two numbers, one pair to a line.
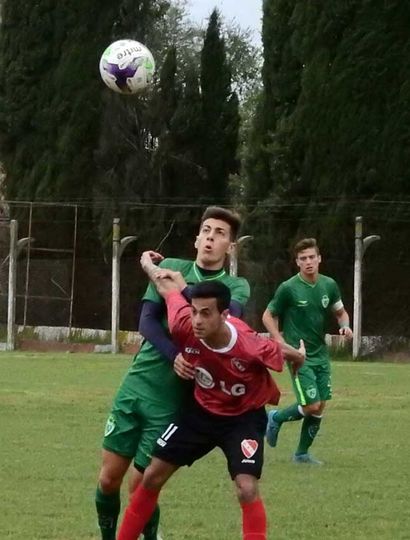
[183,368]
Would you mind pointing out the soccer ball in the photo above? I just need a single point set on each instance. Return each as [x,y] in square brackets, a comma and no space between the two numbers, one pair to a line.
[127,66]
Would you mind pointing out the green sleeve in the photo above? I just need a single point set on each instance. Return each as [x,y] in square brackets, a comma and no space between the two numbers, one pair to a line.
[151,294]
[240,291]
[334,294]
[280,301]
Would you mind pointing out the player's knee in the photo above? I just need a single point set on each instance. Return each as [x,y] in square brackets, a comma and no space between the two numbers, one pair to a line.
[153,478]
[109,482]
[112,471]
[246,488]
[313,408]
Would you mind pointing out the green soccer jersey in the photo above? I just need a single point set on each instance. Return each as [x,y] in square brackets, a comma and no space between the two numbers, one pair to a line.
[303,310]
[151,375]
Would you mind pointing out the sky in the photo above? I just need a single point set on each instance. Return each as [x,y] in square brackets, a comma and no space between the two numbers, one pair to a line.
[247,13]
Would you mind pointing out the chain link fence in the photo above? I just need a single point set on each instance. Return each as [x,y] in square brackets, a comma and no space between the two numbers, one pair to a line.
[64,271]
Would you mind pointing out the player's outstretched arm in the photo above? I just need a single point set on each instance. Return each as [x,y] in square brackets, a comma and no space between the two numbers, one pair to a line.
[164,280]
[271,324]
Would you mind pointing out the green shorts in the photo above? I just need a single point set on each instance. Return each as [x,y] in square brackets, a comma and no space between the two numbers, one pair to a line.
[313,384]
[134,425]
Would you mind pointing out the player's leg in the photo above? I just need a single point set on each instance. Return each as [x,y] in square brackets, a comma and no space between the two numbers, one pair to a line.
[107,497]
[321,391]
[294,412]
[180,444]
[144,499]
[254,523]
[310,428]
[119,447]
[156,418]
[242,444]
[151,529]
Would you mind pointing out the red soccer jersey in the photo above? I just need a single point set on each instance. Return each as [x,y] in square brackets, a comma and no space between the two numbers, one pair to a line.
[232,380]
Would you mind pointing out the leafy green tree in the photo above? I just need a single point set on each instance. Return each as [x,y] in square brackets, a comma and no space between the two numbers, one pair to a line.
[51,92]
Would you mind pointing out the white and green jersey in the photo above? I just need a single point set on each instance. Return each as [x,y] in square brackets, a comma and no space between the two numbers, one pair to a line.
[303,310]
[151,375]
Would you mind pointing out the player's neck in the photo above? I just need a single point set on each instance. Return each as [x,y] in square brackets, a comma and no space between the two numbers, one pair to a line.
[209,266]
[219,339]
[309,278]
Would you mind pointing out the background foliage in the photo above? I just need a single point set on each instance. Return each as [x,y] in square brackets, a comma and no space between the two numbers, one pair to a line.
[301,137]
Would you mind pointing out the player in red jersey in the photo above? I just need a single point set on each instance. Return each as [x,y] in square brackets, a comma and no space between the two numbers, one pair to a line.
[229,362]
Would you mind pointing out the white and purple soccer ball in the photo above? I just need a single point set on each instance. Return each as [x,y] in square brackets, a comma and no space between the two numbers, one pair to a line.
[127,66]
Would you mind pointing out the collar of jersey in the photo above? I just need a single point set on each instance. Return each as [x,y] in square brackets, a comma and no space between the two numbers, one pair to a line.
[232,341]
[307,282]
[200,277]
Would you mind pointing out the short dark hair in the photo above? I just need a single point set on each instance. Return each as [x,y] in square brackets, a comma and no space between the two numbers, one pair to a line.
[232,218]
[213,289]
[305,243]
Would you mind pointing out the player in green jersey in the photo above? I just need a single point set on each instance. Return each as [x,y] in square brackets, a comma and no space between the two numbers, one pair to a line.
[301,306]
[151,392]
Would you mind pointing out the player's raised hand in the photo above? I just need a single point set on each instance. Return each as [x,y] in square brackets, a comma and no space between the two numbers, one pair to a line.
[154,256]
[147,264]
[183,368]
[176,278]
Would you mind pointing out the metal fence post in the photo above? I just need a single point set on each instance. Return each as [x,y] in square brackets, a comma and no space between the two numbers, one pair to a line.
[11,305]
[360,248]
[118,246]
[233,257]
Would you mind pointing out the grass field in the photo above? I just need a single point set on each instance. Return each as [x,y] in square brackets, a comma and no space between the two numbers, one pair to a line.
[53,409]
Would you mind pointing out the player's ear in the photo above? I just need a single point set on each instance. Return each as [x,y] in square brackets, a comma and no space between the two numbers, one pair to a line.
[319,258]
[196,242]
[231,248]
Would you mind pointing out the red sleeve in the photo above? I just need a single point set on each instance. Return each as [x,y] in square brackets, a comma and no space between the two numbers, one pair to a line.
[273,356]
[264,350]
[268,352]
[179,315]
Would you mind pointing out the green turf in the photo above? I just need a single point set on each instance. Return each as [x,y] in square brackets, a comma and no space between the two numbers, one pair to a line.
[53,409]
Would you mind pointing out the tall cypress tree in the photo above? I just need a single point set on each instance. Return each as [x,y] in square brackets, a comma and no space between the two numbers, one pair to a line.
[335,86]
[186,137]
[219,111]
[332,127]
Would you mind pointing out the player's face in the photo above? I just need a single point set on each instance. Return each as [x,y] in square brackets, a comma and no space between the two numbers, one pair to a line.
[308,262]
[213,243]
[206,319]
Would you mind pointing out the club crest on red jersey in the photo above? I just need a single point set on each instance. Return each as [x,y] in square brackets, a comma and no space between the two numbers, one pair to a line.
[249,447]
[238,364]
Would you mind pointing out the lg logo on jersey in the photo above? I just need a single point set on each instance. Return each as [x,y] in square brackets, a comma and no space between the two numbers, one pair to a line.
[205,380]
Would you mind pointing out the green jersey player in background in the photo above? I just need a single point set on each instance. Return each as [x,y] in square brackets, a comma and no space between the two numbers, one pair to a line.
[300,307]
[151,392]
